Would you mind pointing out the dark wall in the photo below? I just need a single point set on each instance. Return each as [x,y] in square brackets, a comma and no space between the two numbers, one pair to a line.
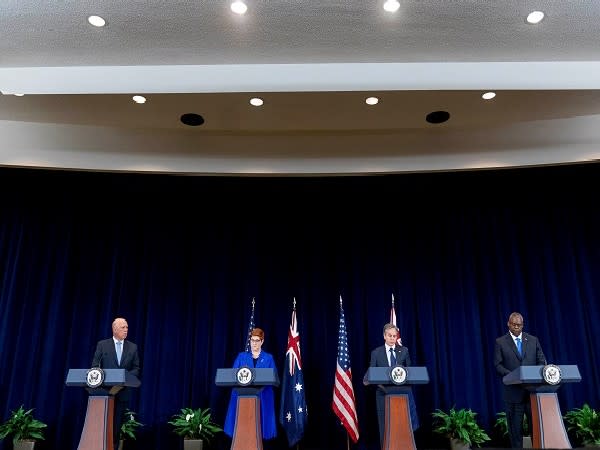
[181,258]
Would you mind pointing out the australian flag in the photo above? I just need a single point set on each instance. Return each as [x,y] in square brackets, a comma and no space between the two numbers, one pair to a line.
[293,414]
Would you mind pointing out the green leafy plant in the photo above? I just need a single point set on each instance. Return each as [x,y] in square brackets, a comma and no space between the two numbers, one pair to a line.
[195,424]
[459,424]
[22,426]
[585,422]
[502,424]
[130,425]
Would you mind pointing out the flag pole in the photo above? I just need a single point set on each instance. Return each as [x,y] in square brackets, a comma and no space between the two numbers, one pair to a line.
[348,441]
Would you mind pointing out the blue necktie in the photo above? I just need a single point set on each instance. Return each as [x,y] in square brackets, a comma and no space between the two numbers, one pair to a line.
[119,351]
[519,348]
[392,357]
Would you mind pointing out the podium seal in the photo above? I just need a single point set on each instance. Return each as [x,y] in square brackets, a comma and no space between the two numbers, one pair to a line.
[551,374]
[244,376]
[398,375]
[94,377]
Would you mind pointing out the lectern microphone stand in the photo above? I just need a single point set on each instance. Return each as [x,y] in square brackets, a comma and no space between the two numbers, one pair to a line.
[397,384]
[248,382]
[97,433]
[543,382]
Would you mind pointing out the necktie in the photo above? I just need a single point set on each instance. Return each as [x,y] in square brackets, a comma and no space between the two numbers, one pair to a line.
[119,351]
[519,348]
[392,358]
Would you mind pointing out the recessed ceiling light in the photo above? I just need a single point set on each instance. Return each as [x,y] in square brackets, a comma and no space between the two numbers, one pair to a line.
[140,99]
[372,101]
[488,95]
[96,21]
[256,101]
[18,95]
[391,5]
[239,7]
[535,17]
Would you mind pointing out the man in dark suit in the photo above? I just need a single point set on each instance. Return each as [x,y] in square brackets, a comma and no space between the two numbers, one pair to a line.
[513,350]
[117,353]
[388,355]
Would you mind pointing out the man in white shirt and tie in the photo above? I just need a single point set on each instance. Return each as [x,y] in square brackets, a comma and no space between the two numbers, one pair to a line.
[388,355]
[511,351]
[118,353]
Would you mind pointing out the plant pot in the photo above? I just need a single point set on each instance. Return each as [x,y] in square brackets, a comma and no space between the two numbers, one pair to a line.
[192,444]
[527,442]
[121,442]
[456,444]
[24,445]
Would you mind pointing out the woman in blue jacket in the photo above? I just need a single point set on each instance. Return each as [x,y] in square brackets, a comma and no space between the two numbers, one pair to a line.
[258,359]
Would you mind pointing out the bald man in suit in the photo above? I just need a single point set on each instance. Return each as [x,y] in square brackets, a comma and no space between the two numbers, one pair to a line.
[106,358]
[512,350]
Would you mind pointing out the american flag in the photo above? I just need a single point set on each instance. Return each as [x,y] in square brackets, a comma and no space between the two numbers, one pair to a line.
[250,327]
[293,412]
[344,404]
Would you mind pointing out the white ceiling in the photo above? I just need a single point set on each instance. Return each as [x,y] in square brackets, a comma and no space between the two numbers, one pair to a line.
[314,63]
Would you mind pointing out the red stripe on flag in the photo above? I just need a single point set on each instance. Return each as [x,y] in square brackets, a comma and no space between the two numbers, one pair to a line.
[344,403]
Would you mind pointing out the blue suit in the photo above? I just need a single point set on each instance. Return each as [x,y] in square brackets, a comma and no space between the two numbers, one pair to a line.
[267,403]
[516,399]
[105,356]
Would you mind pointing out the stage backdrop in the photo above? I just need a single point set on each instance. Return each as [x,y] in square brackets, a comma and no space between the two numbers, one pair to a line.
[182,257]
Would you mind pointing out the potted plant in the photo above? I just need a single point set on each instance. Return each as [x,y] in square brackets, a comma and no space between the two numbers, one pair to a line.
[195,426]
[460,426]
[585,422]
[23,428]
[129,428]
[502,425]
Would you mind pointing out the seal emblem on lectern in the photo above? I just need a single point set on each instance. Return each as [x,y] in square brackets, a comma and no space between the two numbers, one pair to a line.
[244,376]
[94,377]
[398,375]
[551,374]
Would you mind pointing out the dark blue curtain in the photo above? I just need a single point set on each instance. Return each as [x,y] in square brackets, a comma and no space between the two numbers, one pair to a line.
[182,257]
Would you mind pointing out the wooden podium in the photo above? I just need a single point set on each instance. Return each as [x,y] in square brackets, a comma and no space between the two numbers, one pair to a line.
[97,433]
[398,434]
[548,426]
[248,382]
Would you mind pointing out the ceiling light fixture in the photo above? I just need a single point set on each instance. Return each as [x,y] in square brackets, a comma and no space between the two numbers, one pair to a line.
[239,7]
[96,21]
[535,17]
[18,95]
[391,5]
[436,117]
[371,101]
[488,95]
[139,99]
[256,101]
[192,119]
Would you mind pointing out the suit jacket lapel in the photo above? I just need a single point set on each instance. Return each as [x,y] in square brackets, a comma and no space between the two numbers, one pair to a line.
[524,344]
[113,351]
[125,353]
[513,345]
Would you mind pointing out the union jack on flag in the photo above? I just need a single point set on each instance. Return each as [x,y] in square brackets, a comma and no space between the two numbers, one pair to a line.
[293,413]
[344,403]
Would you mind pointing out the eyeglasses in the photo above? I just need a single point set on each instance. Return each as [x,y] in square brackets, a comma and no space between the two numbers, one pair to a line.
[516,325]
[256,341]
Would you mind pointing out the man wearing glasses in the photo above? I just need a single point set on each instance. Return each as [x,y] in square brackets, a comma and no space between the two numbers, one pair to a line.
[512,350]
